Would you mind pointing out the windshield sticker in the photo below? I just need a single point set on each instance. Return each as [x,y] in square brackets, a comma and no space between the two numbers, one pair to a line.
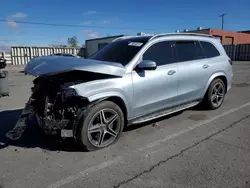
[138,44]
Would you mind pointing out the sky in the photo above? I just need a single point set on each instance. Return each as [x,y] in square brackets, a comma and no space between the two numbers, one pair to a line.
[113,17]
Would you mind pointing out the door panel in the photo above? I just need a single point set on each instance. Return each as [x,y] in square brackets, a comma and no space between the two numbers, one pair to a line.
[154,89]
[194,70]
[192,80]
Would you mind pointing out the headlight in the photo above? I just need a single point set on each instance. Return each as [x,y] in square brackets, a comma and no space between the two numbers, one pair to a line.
[69,92]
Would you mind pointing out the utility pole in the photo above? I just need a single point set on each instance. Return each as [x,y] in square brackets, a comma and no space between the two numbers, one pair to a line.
[222,21]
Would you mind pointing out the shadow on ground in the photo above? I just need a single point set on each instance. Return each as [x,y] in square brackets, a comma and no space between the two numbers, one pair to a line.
[32,136]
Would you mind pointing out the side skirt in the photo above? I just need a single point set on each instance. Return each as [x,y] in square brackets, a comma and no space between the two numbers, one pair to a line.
[162,113]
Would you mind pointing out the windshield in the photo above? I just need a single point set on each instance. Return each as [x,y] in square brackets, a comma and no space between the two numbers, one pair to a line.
[120,51]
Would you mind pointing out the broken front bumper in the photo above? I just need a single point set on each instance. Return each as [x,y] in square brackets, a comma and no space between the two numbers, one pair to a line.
[65,128]
[21,124]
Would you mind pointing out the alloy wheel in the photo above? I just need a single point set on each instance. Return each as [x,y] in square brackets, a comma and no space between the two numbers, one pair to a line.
[218,93]
[104,127]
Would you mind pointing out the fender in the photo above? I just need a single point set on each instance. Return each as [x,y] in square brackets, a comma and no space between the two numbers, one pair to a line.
[212,77]
[112,93]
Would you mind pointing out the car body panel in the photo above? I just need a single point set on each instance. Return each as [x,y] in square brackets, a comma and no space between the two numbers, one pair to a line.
[56,64]
[193,78]
[111,87]
[154,89]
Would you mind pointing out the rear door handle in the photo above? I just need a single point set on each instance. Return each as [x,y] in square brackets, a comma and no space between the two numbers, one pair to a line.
[171,72]
[205,66]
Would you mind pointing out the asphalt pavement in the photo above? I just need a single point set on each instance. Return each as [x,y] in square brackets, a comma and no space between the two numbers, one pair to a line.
[195,148]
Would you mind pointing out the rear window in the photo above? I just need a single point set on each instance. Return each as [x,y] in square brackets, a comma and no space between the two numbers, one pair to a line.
[209,49]
[188,50]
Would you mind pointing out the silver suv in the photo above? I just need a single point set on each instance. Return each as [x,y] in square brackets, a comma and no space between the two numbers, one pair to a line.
[129,81]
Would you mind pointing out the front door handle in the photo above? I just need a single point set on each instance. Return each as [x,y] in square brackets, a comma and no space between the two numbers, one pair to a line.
[171,72]
[205,66]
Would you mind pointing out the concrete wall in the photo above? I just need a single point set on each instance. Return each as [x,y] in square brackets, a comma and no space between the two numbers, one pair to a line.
[92,44]
[21,55]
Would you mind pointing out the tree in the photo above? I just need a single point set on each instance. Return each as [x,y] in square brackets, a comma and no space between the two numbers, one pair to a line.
[73,42]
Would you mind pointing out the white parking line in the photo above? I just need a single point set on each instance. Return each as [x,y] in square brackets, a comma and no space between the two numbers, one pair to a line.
[105,164]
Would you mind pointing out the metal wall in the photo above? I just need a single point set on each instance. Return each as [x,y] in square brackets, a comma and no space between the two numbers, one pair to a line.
[240,52]
[21,55]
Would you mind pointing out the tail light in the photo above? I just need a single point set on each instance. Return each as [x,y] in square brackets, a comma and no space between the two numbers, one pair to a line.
[230,61]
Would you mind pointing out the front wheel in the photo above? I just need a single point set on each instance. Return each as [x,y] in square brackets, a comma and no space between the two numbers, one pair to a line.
[101,126]
[215,95]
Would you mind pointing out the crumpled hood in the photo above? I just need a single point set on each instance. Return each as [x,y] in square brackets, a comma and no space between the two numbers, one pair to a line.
[58,64]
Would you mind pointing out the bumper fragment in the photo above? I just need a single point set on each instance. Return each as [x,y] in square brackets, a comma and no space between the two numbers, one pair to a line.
[66,133]
[20,126]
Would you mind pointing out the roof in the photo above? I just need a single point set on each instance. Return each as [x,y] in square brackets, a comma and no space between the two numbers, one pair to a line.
[151,37]
[109,37]
[133,37]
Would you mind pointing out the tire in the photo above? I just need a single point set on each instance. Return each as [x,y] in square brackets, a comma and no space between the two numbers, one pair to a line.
[91,121]
[210,99]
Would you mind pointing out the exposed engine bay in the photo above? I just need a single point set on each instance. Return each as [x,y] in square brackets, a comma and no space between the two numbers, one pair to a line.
[54,105]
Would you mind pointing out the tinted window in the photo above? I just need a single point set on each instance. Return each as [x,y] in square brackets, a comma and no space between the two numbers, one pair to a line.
[188,50]
[161,53]
[120,51]
[209,49]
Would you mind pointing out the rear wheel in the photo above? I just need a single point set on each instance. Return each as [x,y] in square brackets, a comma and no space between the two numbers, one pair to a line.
[215,95]
[101,126]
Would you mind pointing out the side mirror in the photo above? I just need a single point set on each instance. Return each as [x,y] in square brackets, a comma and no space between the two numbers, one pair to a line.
[146,65]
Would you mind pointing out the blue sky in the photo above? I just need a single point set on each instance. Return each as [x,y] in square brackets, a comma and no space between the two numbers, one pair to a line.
[132,15]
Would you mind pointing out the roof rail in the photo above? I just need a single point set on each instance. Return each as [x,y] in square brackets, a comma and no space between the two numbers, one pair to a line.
[172,34]
[124,37]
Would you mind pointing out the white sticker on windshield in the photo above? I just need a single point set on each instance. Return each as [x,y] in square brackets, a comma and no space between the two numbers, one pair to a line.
[138,44]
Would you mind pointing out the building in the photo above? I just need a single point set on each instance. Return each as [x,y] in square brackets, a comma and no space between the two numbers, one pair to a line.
[226,37]
[93,45]
[246,31]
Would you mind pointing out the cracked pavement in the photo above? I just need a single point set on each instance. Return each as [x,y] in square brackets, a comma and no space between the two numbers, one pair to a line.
[144,179]
[194,148]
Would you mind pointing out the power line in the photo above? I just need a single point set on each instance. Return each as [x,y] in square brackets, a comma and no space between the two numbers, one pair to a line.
[68,25]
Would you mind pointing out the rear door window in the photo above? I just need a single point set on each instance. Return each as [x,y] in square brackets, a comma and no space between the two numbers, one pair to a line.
[161,53]
[188,50]
[209,49]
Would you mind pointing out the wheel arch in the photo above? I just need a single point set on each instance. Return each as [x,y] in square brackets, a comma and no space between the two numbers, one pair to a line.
[220,75]
[116,97]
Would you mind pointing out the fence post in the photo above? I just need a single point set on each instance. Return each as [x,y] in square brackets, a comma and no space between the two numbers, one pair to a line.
[11,55]
[234,51]
[31,54]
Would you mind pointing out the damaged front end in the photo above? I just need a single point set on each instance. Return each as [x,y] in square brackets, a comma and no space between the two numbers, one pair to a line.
[55,106]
